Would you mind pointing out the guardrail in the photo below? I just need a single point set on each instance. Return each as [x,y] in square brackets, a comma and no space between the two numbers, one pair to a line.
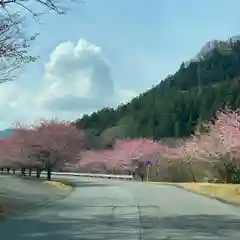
[94,175]
[97,175]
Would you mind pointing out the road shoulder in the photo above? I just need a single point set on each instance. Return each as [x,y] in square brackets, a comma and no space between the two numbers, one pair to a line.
[18,195]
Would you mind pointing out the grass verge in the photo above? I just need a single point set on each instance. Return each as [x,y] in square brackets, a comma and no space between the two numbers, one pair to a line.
[229,193]
[64,185]
[161,182]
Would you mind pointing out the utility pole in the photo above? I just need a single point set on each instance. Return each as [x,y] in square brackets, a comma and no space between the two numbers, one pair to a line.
[148,163]
[147,172]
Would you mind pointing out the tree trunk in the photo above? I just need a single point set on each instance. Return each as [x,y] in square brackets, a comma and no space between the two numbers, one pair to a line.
[2,170]
[49,173]
[23,171]
[13,171]
[38,173]
[8,170]
[29,172]
[193,176]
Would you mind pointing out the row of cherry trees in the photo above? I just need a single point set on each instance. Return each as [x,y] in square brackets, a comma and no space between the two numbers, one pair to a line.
[212,153]
[47,145]
[53,145]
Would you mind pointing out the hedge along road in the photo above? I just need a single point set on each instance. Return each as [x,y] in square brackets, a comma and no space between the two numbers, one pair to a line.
[110,209]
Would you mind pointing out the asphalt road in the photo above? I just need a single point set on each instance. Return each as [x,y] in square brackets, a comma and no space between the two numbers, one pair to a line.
[126,210]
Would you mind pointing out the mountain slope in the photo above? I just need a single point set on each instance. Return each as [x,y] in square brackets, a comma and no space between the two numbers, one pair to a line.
[5,133]
[180,102]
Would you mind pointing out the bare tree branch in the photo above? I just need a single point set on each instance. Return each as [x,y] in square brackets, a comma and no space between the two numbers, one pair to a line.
[58,6]
[14,45]
[14,42]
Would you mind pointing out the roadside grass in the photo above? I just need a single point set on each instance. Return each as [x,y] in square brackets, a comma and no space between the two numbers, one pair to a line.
[161,182]
[229,193]
[60,184]
[226,192]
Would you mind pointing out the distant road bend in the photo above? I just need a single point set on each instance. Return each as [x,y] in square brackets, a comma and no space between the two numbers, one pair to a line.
[102,209]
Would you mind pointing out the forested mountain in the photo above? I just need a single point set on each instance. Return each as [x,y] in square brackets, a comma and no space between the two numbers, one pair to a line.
[6,133]
[179,103]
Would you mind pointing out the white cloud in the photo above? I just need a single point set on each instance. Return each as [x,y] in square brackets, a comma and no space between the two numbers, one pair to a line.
[16,105]
[77,80]
[124,95]
[77,77]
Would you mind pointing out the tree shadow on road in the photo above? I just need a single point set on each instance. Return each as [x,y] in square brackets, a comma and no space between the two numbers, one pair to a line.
[104,225]
[201,226]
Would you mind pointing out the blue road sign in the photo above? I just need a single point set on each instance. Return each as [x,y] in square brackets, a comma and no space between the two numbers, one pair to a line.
[148,162]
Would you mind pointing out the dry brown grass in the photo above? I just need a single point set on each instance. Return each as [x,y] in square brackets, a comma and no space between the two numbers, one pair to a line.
[59,185]
[228,192]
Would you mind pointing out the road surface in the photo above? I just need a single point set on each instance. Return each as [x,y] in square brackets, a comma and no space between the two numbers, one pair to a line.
[126,210]
[20,194]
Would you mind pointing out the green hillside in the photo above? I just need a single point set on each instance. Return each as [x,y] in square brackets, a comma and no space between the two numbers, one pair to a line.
[174,107]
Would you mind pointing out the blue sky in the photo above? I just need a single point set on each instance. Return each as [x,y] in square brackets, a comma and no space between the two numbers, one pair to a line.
[105,52]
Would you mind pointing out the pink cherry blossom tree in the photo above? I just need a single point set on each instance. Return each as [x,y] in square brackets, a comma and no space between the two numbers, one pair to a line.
[125,155]
[222,144]
[52,143]
[14,154]
[189,153]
